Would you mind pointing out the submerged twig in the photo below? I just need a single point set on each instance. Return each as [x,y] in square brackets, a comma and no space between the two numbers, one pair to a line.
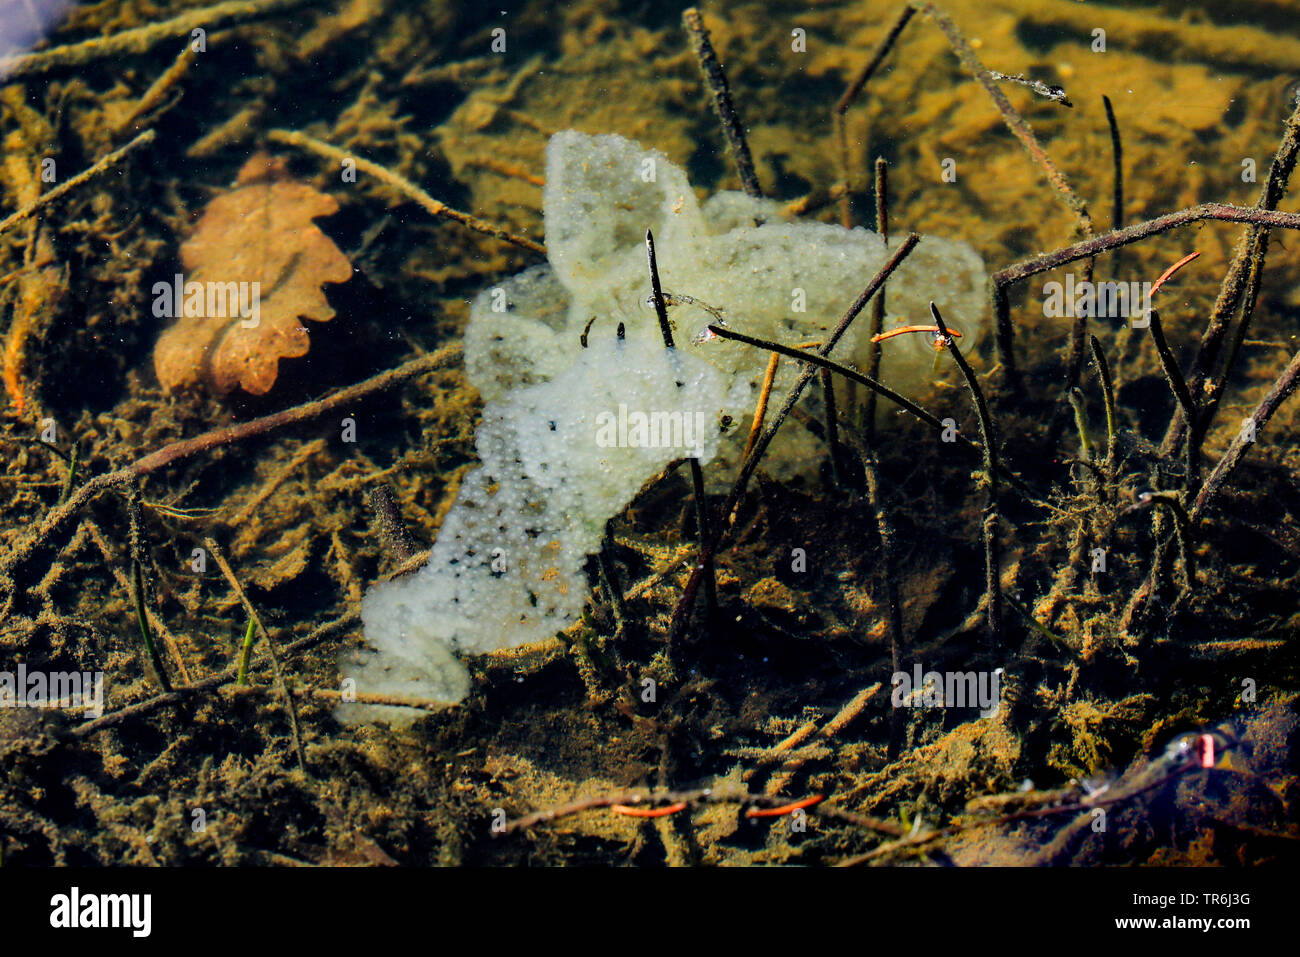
[101,165]
[697,473]
[1010,116]
[210,683]
[1177,385]
[821,362]
[1108,396]
[716,80]
[141,39]
[832,427]
[750,465]
[158,89]
[1117,157]
[60,515]
[851,93]
[404,186]
[1283,388]
[992,551]
[1223,212]
[1240,285]
[878,304]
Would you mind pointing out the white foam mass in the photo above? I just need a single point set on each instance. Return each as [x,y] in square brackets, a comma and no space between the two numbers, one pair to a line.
[507,568]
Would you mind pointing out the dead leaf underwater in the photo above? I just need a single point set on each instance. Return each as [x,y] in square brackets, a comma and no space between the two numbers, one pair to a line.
[262,233]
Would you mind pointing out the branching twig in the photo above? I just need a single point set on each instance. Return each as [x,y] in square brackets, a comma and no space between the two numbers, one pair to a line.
[404,186]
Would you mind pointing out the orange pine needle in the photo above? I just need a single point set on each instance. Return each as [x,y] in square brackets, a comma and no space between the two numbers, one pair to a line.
[760,410]
[1164,276]
[648,811]
[903,330]
[785,808]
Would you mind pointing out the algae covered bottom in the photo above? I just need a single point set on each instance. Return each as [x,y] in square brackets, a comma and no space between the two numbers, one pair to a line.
[1083,506]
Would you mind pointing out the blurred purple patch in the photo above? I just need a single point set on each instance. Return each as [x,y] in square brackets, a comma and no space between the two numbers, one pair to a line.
[24,22]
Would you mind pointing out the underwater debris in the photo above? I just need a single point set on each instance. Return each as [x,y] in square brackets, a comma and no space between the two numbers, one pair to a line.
[254,267]
[507,567]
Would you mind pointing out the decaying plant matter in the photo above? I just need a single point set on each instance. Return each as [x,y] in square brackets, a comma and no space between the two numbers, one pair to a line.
[260,236]
[199,523]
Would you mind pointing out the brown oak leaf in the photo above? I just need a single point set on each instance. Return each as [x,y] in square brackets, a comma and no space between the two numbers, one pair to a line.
[253,270]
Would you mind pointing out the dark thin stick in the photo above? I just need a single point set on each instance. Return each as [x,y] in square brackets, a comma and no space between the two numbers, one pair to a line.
[1214,389]
[992,562]
[878,304]
[901,401]
[1117,156]
[1177,385]
[977,395]
[697,474]
[434,207]
[821,362]
[135,544]
[851,93]
[1004,334]
[1139,231]
[750,465]
[1282,389]
[657,293]
[705,532]
[716,80]
[1108,396]
[1078,332]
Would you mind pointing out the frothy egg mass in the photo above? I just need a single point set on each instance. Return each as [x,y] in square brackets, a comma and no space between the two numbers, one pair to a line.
[571,432]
